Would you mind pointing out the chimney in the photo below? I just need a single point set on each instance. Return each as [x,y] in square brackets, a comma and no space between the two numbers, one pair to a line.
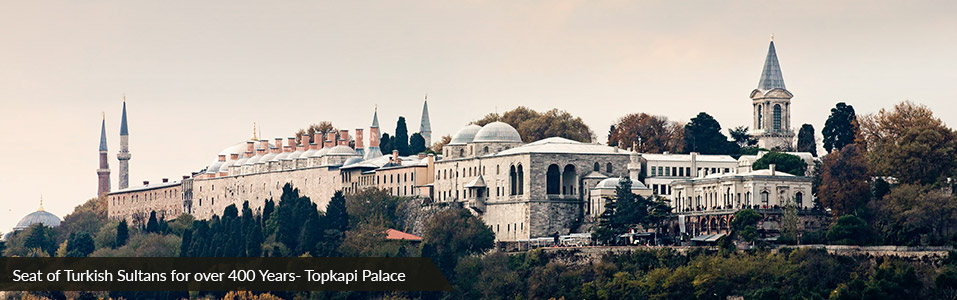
[222,157]
[395,157]
[248,154]
[772,169]
[165,180]
[316,140]
[146,182]
[304,140]
[330,139]
[359,136]
[264,144]
[279,143]
[374,137]
[694,160]
[291,141]
[301,148]
[344,137]
[250,146]
[287,148]
[261,151]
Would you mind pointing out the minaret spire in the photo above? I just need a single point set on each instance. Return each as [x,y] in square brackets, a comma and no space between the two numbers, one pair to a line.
[124,155]
[375,117]
[425,127]
[771,77]
[41,203]
[103,172]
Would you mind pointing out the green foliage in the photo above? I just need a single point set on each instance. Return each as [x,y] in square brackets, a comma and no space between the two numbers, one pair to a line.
[79,245]
[916,215]
[373,206]
[122,234]
[532,125]
[911,144]
[385,144]
[841,127]
[787,163]
[741,137]
[416,144]
[889,281]
[703,135]
[87,217]
[452,234]
[628,210]
[842,181]
[849,230]
[806,141]
[401,139]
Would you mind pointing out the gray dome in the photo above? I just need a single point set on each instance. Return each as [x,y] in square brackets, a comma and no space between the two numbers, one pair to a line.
[352,161]
[612,183]
[321,152]
[237,149]
[38,217]
[497,132]
[465,135]
[214,167]
[253,160]
[341,150]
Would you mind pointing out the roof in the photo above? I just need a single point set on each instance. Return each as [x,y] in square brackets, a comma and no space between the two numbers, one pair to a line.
[392,234]
[123,128]
[146,187]
[103,136]
[375,119]
[478,182]
[707,237]
[371,152]
[341,150]
[561,145]
[687,157]
[426,125]
[497,132]
[38,217]
[612,184]
[465,135]
[595,174]
[771,77]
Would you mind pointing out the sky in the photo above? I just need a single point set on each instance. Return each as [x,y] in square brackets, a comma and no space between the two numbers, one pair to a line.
[198,74]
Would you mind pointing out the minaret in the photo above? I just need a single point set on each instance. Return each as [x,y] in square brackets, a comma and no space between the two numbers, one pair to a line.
[373,150]
[103,173]
[771,106]
[425,128]
[124,155]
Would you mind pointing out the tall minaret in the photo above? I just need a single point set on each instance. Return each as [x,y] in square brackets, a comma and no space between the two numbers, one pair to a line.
[124,155]
[425,128]
[373,150]
[103,173]
[771,106]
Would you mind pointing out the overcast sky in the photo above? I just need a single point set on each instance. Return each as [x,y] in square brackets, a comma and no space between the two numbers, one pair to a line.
[197,74]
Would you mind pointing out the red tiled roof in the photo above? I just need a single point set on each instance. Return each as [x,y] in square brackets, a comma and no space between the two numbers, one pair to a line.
[392,234]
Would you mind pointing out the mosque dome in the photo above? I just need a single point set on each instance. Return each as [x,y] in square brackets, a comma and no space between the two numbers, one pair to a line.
[465,135]
[341,150]
[497,132]
[237,149]
[38,217]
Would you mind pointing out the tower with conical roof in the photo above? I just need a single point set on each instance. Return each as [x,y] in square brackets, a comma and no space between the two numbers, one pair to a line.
[103,172]
[373,150]
[771,104]
[124,155]
[425,127]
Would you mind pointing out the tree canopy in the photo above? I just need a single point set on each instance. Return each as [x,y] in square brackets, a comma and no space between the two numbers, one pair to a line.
[806,141]
[401,139]
[841,127]
[703,135]
[532,125]
[843,177]
[650,133]
[910,143]
[787,163]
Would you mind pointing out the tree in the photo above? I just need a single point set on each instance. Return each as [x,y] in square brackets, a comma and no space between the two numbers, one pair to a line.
[385,144]
[745,224]
[122,234]
[806,142]
[152,225]
[79,245]
[445,140]
[703,135]
[741,136]
[452,234]
[323,127]
[416,144]
[401,139]
[914,215]
[843,177]
[334,225]
[651,134]
[787,163]
[532,125]
[849,230]
[372,206]
[841,127]
[910,144]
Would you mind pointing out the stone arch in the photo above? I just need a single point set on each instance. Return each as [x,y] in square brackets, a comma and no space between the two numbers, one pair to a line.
[553,180]
[513,181]
[569,180]
[597,167]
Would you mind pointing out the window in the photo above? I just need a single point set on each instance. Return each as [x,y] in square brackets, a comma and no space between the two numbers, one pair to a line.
[799,199]
[597,167]
[760,117]
[653,173]
[608,168]
[521,181]
[764,197]
[777,117]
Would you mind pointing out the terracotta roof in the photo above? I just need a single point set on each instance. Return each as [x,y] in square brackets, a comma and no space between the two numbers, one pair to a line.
[392,234]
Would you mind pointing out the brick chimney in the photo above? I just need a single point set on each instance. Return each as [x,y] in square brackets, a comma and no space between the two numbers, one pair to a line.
[772,169]
[374,137]
[395,157]
[316,140]
[291,141]
[330,139]
[249,154]
[304,140]
[344,137]
[359,144]
[234,156]
[222,158]
[288,148]
[278,143]
[264,144]
[250,147]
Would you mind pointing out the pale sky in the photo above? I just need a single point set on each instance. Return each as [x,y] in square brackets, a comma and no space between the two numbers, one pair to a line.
[197,74]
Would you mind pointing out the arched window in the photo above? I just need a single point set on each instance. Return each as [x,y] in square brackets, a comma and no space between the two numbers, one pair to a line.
[521,180]
[461,152]
[597,167]
[777,117]
[764,197]
[553,180]
[799,199]
[513,181]
[486,150]
[568,180]
[760,117]
[608,168]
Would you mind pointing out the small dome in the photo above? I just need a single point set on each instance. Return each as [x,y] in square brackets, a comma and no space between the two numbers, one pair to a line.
[612,183]
[353,160]
[321,152]
[237,149]
[214,167]
[266,158]
[280,156]
[341,150]
[497,132]
[38,217]
[465,135]
[253,160]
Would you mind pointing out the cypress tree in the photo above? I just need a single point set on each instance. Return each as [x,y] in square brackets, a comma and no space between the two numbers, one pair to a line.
[122,234]
[401,139]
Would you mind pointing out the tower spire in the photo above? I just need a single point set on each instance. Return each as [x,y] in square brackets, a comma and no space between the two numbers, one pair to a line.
[425,126]
[124,155]
[103,172]
[375,117]
[771,77]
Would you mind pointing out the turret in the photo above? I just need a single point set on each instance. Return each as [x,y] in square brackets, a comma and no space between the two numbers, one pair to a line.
[103,172]
[124,155]
[425,127]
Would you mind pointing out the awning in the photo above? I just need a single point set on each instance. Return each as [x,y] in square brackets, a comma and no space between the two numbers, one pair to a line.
[708,238]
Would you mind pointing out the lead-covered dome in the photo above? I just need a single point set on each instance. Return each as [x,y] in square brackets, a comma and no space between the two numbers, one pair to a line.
[465,135]
[497,132]
[38,217]
[612,183]
[341,150]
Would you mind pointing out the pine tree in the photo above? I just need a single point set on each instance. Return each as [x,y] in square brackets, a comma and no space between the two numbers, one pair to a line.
[122,234]
[152,226]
